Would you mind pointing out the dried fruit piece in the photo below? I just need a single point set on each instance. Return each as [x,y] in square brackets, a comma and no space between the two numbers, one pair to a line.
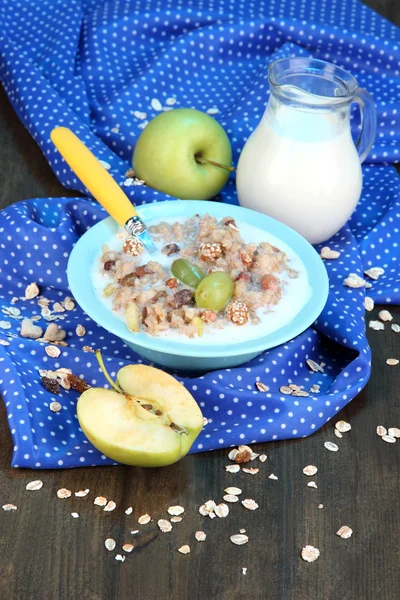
[170,249]
[239,539]
[344,532]
[51,385]
[64,493]
[243,455]
[329,254]
[55,407]
[110,544]
[237,312]
[310,553]
[128,547]
[144,519]
[33,486]
[143,270]
[342,426]
[8,507]
[175,510]
[181,298]
[132,246]
[310,470]
[392,362]
[77,384]
[200,536]
[100,501]
[172,283]
[82,493]
[250,504]
[110,506]
[331,446]
[381,431]
[184,549]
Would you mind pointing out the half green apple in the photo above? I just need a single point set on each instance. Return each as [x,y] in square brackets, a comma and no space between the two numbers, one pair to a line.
[148,419]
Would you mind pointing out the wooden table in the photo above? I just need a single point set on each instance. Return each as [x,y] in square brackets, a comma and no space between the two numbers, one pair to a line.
[46,554]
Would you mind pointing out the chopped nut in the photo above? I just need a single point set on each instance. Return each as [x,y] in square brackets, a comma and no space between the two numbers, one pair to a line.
[374,272]
[8,507]
[31,291]
[331,446]
[52,351]
[221,510]
[368,304]
[133,246]
[29,330]
[237,312]
[329,254]
[376,325]
[109,506]
[389,439]
[239,539]
[309,553]
[200,536]
[100,501]
[250,504]
[164,525]
[392,362]
[210,251]
[33,486]
[312,484]
[344,532]
[354,281]
[82,493]
[80,330]
[310,470]
[250,471]
[230,498]
[144,519]
[262,458]
[128,547]
[184,549]
[272,476]
[64,493]
[175,510]
[233,490]
[129,510]
[232,468]
[55,407]
[394,432]
[262,387]
[75,515]
[342,426]
[381,431]
[110,544]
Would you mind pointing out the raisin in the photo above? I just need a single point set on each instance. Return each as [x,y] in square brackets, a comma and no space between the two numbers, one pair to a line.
[245,276]
[77,384]
[109,264]
[129,280]
[144,315]
[51,385]
[170,249]
[143,270]
[181,298]
[172,283]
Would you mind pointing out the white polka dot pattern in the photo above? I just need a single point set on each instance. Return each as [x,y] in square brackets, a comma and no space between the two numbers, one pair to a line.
[104,69]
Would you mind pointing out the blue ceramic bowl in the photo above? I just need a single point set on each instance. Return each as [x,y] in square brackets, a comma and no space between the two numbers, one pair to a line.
[180,355]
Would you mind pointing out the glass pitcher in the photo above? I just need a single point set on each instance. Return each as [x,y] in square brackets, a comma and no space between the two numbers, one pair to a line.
[300,165]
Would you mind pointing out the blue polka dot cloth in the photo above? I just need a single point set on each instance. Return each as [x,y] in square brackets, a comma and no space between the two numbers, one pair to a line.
[105,69]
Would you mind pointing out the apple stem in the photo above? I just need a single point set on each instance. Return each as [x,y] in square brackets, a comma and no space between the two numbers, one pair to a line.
[201,160]
[105,372]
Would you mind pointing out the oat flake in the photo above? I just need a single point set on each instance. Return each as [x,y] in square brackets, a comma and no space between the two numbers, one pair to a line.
[250,504]
[55,407]
[221,510]
[261,386]
[309,553]
[389,439]
[200,536]
[120,557]
[272,476]
[312,484]
[331,446]
[337,433]
[64,493]
[342,426]
[392,362]
[184,549]
[33,486]
[244,570]
[344,532]
[242,531]
[354,281]
[232,454]
[369,304]
[135,532]
[262,458]
[250,471]
[385,315]
[235,491]
[374,272]
[230,498]
[4,343]
[239,539]
[310,470]
[129,511]
[144,519]
[176,519]
[170,101]
[212,111]
[82,493]
[156,104]
[8,507]
[105,164]
[139,115]
[396,328]
[376,325]
[314,366]
[320,506]
[128,547]
[110,506]
[110,544]
[232,468]
[52,351]
[75,515]
[164,525]
[100,501]
[175,510]
[285,389]
[329,254]
[381,431]
[80,330]
[394,432]
[5,325]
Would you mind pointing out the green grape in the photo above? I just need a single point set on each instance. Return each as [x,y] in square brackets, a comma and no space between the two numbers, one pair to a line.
[214,291]
[187,272]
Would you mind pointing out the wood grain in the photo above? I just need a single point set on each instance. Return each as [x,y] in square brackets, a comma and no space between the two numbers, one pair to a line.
[46,554]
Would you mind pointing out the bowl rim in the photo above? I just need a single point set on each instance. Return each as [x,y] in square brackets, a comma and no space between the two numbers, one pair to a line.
[88,246]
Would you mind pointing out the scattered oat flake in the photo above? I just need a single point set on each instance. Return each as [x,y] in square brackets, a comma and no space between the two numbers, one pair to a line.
[8,507]
[80,330]
[230,498]
[331,446]
[342,426]
[4,343]
[394,432]
[110,506]
[329,254]
[184,549]
[392,361]
[33,486]
[200,536]
[262,458]
[100,501]
[385,315]
[176,519]
[69,304]
[232,453]
[156,104]
[244,570]
[75,515]
[52,351]
[314,366]
[120,557]
[221,510]
[164,525]
[82,493]
[301,394]
[310,470]
[396,328]
[309,553]
[368,303]
[381,431]
[374,272]
[285,389]
[64,493]
[128,547]
[344,532]
[295,387]
[135,532]
[175,510]
[170,101]
[144,519]
[250,471]
[5,325]
[337,433]
[354,281]
[235,491]
[105,164]
[272,476]
[31,291]
[212,111]
[320,506]
[129,511]
[376,325]
[314,389]
[261,386]
[232,468]
[239,539]
[55,406]
[389,439]
[87,349]
[250,504]
[139,114]
[110,544]
[242,531]
[312,484]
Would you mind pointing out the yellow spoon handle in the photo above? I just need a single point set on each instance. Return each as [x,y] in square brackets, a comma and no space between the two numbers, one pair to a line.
[93,175]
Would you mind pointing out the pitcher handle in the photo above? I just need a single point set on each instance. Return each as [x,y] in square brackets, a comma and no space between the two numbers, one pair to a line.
[368,123]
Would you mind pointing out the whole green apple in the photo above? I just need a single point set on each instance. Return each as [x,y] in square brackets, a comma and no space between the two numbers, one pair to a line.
[149,419]
[173,151]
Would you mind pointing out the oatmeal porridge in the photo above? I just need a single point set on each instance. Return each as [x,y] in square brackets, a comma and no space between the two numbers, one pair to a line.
[210,281]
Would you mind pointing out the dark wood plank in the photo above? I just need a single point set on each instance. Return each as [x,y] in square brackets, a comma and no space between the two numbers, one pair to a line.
[46,554]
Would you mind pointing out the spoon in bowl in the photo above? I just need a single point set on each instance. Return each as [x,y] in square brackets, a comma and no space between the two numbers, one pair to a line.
[100,184]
